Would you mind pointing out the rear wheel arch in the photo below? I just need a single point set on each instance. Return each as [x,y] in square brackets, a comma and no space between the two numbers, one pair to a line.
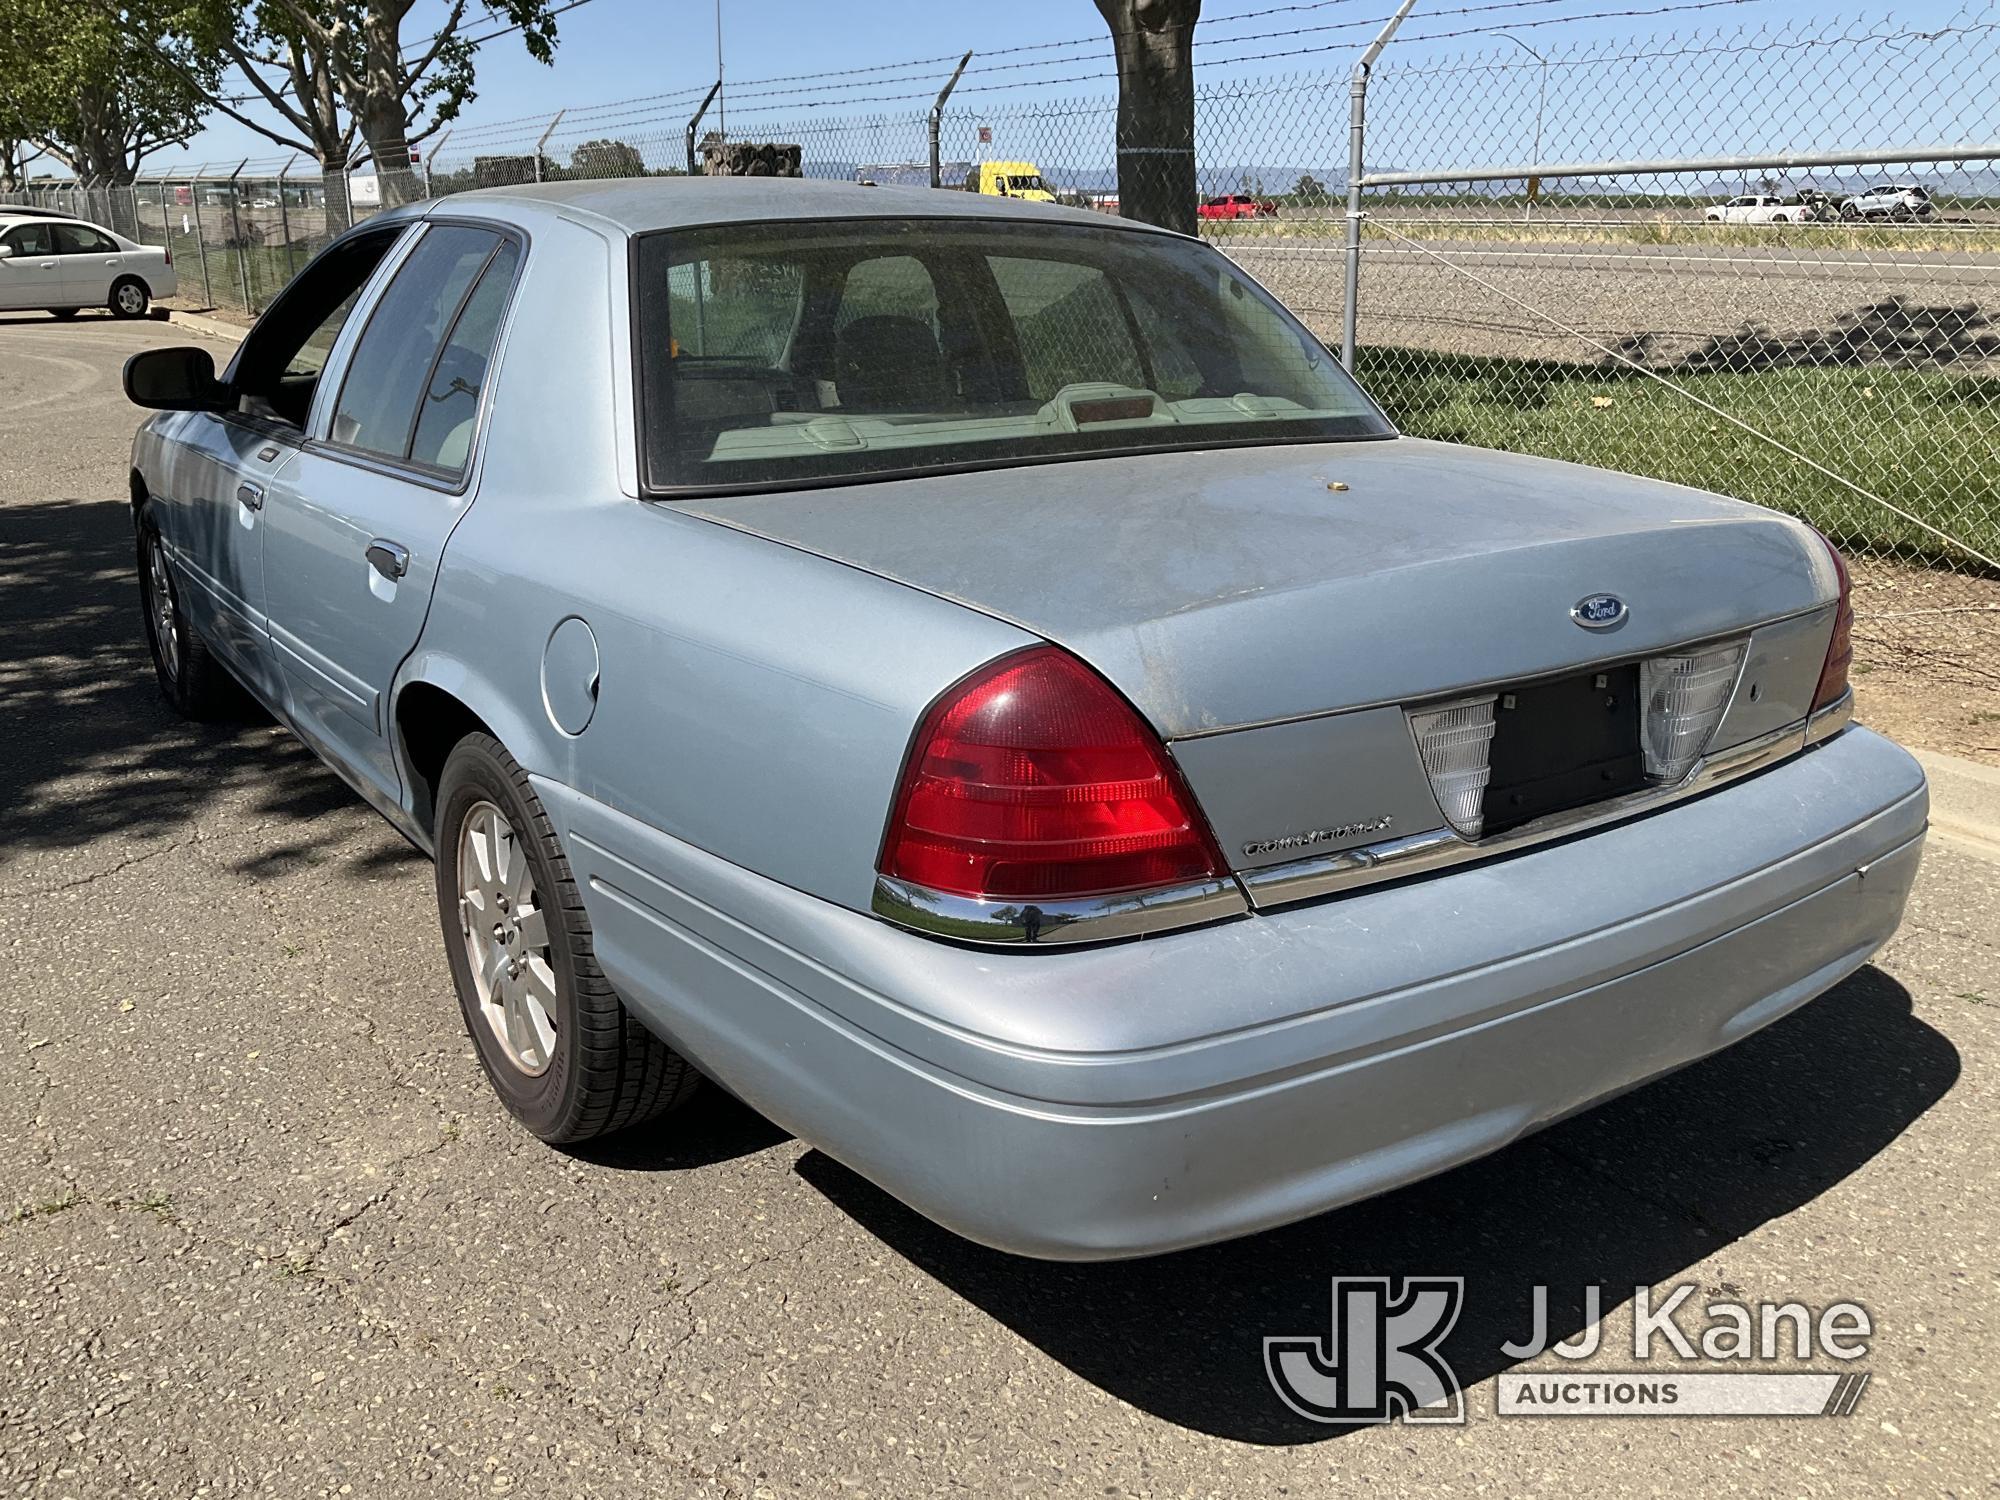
[429,724]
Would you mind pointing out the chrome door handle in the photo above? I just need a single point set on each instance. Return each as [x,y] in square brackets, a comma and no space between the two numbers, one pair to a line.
[390,559]
[250,496]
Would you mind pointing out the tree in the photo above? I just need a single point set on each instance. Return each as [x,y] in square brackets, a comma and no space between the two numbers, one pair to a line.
[330,69]
[1154,44]
[100,88]
[606,159]
[1309,189]
[290,73]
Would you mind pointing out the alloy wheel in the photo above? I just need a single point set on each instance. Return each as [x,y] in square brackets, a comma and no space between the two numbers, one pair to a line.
[506,939]
[163,615]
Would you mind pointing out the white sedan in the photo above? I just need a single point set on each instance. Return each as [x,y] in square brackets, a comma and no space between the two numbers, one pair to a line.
[1757,208]
[64,265]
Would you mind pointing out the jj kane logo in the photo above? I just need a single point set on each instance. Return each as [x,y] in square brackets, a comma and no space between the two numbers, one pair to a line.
[1381,1358]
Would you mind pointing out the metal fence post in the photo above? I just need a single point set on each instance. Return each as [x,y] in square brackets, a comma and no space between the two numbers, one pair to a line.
[937,119]
[428,156]
[200,238]
[236,235]
[545,140]
[285,215]
[694,124]
[1356,129]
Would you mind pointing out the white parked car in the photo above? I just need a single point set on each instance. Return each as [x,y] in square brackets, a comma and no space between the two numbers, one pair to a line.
[1891,200]
[65,265]
[1758,208]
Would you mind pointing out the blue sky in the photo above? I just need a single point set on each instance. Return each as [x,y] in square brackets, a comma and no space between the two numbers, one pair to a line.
[621,49]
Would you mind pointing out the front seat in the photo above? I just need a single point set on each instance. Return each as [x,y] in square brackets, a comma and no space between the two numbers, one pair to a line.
[889,363]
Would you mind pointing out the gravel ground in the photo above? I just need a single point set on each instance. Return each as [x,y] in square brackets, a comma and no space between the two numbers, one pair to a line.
[1659,303]
[269,1234]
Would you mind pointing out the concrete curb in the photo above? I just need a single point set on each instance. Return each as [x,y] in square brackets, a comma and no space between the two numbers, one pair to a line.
[1965,802]
[212,328]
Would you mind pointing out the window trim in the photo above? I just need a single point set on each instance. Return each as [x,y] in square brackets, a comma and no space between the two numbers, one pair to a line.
[636,341]
[318,439]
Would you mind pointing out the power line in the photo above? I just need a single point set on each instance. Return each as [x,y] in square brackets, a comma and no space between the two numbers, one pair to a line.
[818,98]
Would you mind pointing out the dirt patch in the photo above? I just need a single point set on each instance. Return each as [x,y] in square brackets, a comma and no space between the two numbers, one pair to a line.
[1927,658]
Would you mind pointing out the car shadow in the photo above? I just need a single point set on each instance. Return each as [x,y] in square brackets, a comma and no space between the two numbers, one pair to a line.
[91,751]
[714,1126]
[1632,1193]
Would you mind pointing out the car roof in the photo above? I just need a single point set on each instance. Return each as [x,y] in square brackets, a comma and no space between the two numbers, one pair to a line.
[642,205]
[70,220]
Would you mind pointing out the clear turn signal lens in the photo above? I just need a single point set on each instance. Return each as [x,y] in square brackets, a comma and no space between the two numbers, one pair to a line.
[1456,742]
[1682,699]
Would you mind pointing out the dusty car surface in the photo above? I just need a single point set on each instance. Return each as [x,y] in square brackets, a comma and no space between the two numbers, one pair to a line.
[979,682]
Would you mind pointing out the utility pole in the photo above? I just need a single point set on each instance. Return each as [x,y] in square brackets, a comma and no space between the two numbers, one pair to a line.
[721,100]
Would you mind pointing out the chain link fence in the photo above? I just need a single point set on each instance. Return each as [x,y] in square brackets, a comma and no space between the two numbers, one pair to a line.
[1762,261]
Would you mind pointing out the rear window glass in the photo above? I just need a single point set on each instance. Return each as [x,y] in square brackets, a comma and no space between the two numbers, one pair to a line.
[796,354]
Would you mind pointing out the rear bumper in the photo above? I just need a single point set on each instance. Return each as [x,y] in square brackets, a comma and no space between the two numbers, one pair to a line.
[1139,1097]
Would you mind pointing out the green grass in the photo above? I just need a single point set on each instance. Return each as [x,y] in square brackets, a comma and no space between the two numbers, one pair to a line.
[1924,440]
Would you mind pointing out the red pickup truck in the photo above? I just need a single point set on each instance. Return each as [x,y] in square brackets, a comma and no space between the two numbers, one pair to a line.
[1235,206]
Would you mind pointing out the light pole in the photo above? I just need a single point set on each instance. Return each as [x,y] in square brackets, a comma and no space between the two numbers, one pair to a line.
[1541,103]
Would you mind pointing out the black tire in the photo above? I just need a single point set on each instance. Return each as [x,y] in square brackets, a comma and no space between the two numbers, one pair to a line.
[605,1072]
[64,312]
[129,298]
[194,683]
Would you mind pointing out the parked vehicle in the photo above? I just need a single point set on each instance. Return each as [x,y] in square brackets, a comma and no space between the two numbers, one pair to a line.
[1891,200]
[1236,206]
[64,265]
[1760,208]
[29,211]
[1010,179]
[980,682]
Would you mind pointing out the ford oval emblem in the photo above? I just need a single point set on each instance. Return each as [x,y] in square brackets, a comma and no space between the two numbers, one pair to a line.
[1598,611]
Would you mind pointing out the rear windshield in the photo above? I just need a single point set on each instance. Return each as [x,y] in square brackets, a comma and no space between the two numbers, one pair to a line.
[788,355]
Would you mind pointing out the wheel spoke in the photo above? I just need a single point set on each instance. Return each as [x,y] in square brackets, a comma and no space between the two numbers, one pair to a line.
[534,927]
[520,1027]
[538,984]
[493,971]
[520,882]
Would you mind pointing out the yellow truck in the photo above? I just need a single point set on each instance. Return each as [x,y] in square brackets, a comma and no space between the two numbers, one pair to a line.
[1010,179]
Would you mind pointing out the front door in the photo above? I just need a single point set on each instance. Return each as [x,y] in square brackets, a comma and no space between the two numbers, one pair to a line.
[32,275]
[356,527]
[223,467]
[219,469]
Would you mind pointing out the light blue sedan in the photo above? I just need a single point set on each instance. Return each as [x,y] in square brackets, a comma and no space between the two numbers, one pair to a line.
[977,681]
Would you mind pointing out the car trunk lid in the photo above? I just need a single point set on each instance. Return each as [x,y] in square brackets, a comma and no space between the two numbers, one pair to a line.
[1249,586]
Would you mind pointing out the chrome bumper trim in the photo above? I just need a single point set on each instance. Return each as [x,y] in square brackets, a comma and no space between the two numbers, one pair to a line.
[1413,854]
[1829,721]
[1093,920]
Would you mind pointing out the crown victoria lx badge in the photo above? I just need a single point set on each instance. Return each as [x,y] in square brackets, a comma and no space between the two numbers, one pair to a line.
[1598,611]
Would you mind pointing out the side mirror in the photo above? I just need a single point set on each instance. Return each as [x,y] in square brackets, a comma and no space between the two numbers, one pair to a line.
[6,252]
[180,379]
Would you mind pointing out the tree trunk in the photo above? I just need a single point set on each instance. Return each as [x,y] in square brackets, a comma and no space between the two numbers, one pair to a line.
[385,128]
[1154,43]
[385,124]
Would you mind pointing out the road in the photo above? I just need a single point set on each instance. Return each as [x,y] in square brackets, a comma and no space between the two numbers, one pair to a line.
[268,1233]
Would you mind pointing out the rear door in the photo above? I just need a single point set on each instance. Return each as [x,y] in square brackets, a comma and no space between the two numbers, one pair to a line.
[32,275]
[355,528]
[91,261]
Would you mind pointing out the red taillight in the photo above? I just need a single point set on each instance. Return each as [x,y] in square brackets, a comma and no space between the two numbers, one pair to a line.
[1840,650]
[1033,780]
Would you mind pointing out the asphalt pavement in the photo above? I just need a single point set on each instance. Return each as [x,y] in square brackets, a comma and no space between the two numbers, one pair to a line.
[267,1232]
